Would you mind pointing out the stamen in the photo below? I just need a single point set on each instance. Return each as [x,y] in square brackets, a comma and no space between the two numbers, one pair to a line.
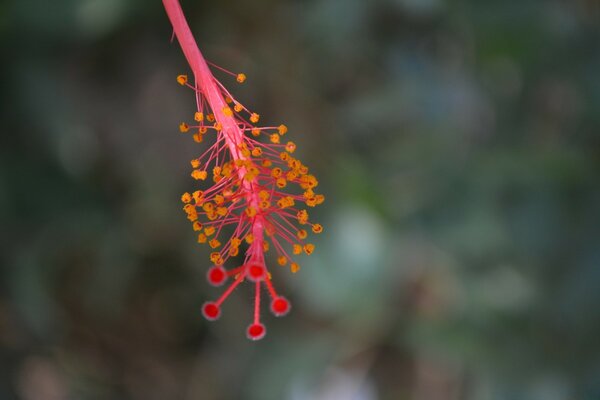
[249,189]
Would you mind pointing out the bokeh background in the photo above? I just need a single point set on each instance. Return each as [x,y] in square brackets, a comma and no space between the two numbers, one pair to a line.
[457,143]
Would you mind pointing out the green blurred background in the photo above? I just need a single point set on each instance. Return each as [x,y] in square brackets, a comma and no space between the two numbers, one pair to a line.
[457,143]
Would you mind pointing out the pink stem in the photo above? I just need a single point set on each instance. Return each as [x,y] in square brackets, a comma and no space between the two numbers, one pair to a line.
[257,303]
[230,289]
[207,83]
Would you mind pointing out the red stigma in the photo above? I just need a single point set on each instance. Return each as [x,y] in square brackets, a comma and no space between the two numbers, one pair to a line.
[211,311]
[280,306]
[256,331]
[256,272]
[216,276]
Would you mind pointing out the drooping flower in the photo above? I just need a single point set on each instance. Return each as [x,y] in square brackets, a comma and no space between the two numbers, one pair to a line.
[256,195]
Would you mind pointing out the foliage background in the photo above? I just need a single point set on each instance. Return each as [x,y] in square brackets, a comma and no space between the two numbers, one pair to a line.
[457,143]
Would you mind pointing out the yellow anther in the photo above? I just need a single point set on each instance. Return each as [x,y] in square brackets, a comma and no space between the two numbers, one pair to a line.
[186,197]
[267,163]
[235,242]
[302,234]
[227,112]
[199,116]
[294,163]
[195,163]
[197,226]
[294,268]
[284,156]
[209,230]
[276,172]
[308,194]
[183,127]
[218,126]
[250,176]
[214,243]
[274,138]
[265,246]
[197,137]
[217,170]
[201,238]
[281,260]
[257,152]
[290,147]
[222,211]
[309,182]
[254,117]
[250,212]
[246,153]
[297,249]
[255,131]
[238,107]
[281,183]
[228,100]
[311,202]
[227,169]
[199,175]
[208,207]
[192,216]
[211,215]
[309,248]
[197,195]
[219,199]
[319,199]
[203,130]
[233,251]
[182,79]
[291,175]
[263,195]
[303,169]
[302,216]
[249,238]
[189,209]
[264,204]
[317,228]
[240,78]
[215,257]
[282,129]
[210,117]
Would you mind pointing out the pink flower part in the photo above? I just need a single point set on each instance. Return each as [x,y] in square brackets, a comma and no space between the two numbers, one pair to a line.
[246,201]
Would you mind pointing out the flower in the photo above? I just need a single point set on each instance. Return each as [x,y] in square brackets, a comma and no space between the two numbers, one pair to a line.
[250,202]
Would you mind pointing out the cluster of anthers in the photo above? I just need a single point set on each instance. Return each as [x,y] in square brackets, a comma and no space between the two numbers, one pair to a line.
[255,198]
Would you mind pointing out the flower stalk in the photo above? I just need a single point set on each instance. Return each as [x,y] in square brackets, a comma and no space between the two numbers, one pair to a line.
[245,206]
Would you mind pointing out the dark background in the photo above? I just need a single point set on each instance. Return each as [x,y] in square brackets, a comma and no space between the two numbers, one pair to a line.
[457,143]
